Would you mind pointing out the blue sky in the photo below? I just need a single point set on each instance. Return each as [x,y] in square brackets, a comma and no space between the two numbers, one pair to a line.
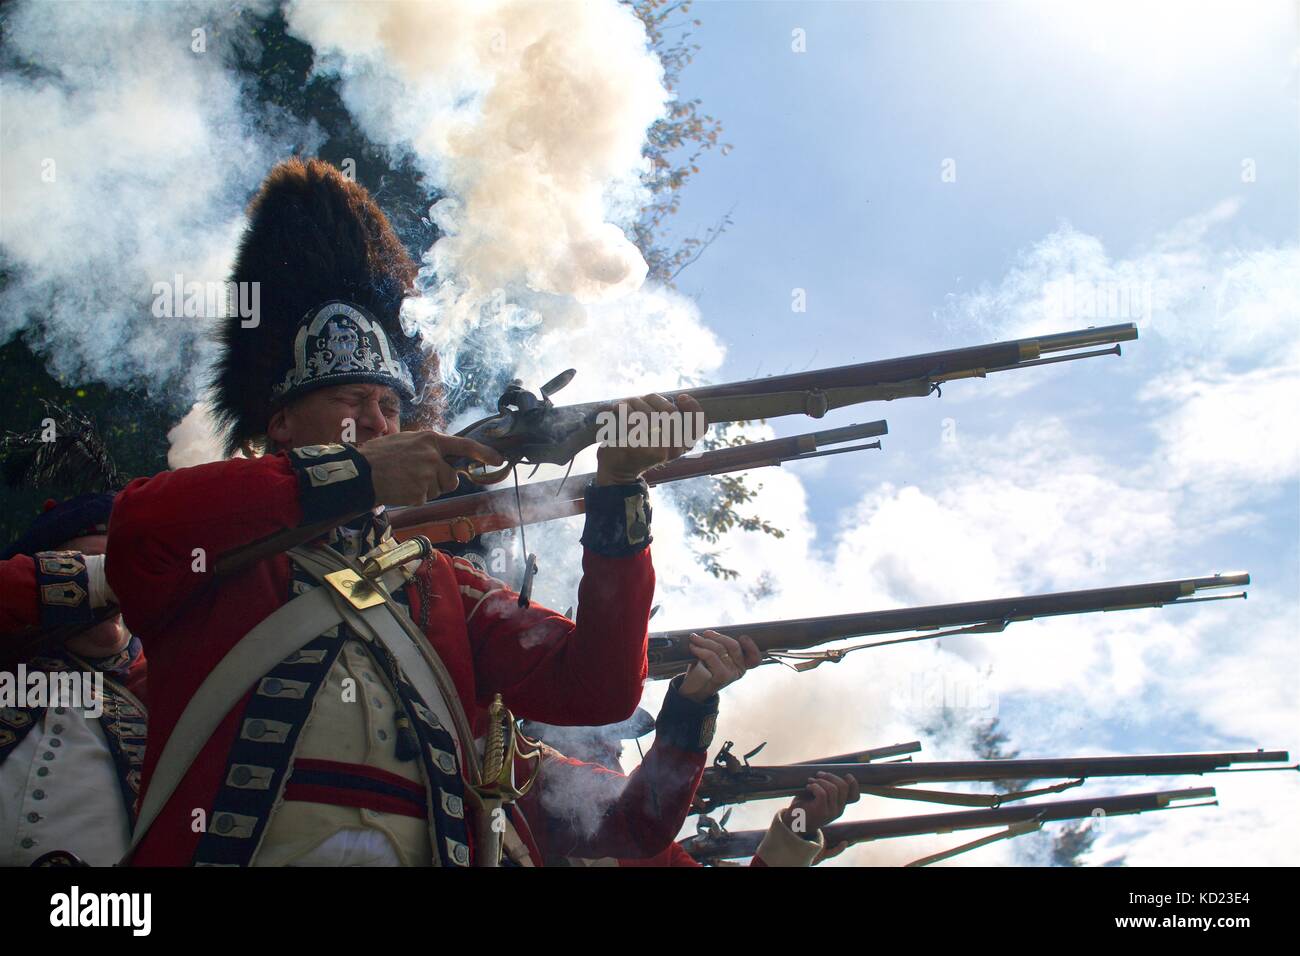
[835,177]
[1089,140]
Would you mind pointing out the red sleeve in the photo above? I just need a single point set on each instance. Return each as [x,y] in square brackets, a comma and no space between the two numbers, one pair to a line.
[19,606]
[644,810]
[674,855]
[548,667]
[159,522]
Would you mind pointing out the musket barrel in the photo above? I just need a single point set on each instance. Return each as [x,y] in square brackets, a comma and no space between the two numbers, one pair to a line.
[745,842]
[866,756]
[930,366]
[723,785]
[669,649]
[834,436]
[1104,335]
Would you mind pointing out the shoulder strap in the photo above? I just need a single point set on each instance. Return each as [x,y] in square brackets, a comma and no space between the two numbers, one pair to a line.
[391,625]
[278,635]
[287,629]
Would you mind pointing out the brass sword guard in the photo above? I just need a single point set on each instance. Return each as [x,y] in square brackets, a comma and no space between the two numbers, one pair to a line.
[500,753]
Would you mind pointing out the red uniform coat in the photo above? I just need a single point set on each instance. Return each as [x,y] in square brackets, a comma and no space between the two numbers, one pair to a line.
[20,611]
[167,531]
[644,810]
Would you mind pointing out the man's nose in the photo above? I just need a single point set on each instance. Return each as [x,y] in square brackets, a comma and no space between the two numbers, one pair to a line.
[371,418]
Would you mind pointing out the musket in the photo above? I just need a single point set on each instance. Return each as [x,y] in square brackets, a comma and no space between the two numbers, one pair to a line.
[669,651]
[713,843]
[862,756]
[729,781]
[530,429]
[463,517]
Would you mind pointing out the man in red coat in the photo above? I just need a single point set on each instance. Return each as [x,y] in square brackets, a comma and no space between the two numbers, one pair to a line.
[583,811]
[357,747]
[69,768]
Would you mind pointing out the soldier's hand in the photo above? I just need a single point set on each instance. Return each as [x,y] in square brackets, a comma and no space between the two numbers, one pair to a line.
[410,468]
[824,800]
[720,660]
[625,463]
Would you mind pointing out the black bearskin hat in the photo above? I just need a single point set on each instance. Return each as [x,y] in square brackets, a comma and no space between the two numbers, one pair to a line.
[331,276]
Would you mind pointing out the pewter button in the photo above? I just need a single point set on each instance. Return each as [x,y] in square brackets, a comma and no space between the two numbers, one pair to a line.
[33,818]
[42,771]
[293,658]
[447,763]
[60,710]
[272,685]
[241,776]
[320,472]
[461,854]
[382,734]
[48,755]
[28,843]
[256,729]
[224,823]
[57,728]
[38,794]
[56,742]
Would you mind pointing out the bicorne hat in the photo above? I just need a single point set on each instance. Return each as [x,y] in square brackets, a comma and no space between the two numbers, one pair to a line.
[331,277]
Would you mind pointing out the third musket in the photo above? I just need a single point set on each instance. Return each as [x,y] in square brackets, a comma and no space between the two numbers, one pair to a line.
[741,843]
[669,651]
[724,785]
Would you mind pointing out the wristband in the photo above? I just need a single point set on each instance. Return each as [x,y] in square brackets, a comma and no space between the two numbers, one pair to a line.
[618,519]
[63,588]
[685,724]
[333,482]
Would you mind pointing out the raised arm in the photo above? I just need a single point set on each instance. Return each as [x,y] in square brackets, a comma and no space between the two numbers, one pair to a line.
[554,670]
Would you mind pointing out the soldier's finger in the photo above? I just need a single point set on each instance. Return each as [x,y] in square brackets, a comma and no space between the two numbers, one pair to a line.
[714,663]
[452,446]
[732,647]
[753,656]
[658,402]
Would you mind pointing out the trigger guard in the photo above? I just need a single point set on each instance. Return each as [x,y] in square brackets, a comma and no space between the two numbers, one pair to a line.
[479,473]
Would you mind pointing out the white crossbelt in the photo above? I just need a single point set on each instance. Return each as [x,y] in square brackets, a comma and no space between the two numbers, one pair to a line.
[288,629]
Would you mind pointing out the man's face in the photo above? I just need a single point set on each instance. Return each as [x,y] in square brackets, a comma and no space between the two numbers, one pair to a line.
[106,637]
[354,413]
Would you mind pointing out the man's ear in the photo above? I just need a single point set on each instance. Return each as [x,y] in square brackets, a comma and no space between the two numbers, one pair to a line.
[277,429]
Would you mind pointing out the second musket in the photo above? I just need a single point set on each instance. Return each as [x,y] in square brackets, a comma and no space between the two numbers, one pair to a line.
[786,640]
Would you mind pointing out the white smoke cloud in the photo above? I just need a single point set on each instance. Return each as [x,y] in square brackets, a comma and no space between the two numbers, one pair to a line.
[129,155]
[194,440]
[531,118]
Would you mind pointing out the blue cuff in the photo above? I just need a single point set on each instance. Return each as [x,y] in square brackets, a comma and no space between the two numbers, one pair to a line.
[63,588]
[684,723]
[618,519]
[333,482]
